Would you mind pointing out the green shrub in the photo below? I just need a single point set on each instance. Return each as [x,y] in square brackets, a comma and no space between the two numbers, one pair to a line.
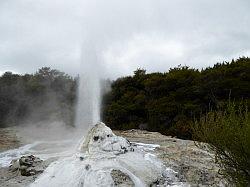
[228,135]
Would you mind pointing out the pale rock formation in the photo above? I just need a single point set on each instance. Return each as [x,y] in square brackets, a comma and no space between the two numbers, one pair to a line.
[104,159]
[100,138]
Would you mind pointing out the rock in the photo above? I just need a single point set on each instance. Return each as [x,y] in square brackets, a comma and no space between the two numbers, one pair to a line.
[27,165]
[87,167]
[14,165]
[193,165]
[158,182]
[101,139]
[81,158]
[23,167]
[121,179]
[109,160]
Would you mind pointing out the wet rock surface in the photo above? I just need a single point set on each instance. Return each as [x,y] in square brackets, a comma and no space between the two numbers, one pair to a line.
[12,176]
[104,159]
[27,165]
[101,139]
[121,179]
[192,164]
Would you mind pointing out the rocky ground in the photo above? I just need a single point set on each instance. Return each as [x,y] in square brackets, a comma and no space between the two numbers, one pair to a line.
[194,165]
[15,178]
[8,139]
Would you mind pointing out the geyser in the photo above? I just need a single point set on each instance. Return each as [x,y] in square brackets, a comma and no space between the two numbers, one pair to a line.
[104,23]
[104,159]
[89,90]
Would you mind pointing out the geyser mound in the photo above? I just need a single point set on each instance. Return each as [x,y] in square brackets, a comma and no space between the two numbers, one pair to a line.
[101,139]
[104,159]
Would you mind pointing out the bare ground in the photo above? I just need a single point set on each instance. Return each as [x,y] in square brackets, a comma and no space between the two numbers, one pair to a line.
[8,139]
[194,165]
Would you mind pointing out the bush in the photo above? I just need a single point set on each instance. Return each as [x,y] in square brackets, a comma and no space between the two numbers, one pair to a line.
[228,135]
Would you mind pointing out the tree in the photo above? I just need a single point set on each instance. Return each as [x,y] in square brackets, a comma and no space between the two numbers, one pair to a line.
[41,96]
[168,102]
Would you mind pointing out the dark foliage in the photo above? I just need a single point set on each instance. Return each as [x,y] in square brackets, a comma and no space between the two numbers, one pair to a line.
[44,95]
[164,102]
[227,132]
[168,102]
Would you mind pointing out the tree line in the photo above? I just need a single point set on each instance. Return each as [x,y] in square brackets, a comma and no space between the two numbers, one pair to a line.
[169,102]
[47,94]
[166,102]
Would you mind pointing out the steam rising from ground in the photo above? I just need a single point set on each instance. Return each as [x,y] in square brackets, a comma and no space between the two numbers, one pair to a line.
[89,90]
[103,23]
[114,37]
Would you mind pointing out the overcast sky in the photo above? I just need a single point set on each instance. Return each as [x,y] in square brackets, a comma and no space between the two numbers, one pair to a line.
[122,34]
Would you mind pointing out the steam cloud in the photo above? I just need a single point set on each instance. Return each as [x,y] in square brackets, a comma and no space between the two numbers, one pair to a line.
[110,38]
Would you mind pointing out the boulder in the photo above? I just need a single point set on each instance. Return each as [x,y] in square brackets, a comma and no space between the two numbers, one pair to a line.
[27,165]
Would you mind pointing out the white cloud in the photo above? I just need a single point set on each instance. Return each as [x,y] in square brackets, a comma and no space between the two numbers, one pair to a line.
[155,35]
[151,51]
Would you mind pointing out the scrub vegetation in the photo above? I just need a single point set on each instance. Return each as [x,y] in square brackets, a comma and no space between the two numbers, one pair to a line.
[227,133]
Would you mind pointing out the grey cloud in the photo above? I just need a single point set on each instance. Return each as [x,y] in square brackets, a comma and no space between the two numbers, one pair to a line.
[56,33]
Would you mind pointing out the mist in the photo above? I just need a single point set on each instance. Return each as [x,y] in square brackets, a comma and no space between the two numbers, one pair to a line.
[108,39]
[101,27]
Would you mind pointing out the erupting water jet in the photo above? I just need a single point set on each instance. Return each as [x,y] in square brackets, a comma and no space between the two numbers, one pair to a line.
[101,159]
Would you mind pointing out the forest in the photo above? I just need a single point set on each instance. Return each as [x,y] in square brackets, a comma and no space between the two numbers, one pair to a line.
[45,95]
[167,102]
